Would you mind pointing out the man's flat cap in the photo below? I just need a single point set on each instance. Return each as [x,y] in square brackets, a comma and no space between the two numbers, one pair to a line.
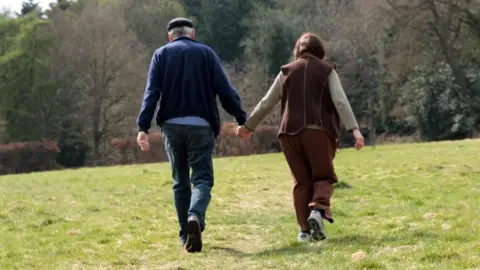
[179,22]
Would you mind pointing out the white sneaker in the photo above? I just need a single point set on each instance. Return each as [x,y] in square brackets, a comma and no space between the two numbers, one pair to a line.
[304,237]
[315,221]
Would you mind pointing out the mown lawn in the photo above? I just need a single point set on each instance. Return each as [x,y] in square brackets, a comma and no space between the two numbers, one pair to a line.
[398,207]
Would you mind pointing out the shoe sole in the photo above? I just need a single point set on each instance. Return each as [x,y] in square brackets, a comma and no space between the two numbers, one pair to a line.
[304,240]
[194,237]
[318,231]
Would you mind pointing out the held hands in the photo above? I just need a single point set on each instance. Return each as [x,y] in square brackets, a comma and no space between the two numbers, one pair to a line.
[359,140]
[243,132]
[143,141]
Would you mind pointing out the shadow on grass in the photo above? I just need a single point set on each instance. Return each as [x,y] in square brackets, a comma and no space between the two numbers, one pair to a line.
[408,238]
[231,251]
[285,250]
[296,248]
[353,239]
[356,239]
[290,250]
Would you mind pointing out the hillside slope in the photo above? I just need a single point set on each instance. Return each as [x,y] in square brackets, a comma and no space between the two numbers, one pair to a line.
[407,207]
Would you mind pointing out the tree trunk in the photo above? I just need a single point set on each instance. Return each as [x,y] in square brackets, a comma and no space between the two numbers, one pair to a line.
[442,30]
[96,136]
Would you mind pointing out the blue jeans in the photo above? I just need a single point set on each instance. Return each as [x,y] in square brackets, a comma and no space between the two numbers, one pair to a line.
[190,147]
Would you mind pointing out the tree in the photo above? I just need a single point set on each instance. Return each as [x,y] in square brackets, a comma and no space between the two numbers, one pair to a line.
[426,31]
[219,25]
[63,4]
[28,7]
[358,45]
[26,49]
[440,21]
[270,38]
[193,8]
[38,99]
[108,63]
[148,20]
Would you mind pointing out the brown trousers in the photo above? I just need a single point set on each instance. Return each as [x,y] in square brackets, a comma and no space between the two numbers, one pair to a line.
[310,155]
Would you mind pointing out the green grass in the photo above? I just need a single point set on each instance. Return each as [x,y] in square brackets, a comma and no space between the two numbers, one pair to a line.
[397,207]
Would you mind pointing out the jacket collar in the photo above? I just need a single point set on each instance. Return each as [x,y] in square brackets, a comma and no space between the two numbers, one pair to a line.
[182,38]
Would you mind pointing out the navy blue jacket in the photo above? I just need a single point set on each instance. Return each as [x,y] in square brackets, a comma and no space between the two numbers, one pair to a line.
[185,78]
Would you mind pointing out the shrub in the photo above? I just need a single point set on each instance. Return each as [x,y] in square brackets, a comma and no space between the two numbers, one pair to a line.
[28,157]
[127,151]
[441,112]
[348,140]
[73,146]
[264,140]
[73,153]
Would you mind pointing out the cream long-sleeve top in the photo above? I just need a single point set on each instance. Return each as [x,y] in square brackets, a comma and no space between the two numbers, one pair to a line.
[274,95]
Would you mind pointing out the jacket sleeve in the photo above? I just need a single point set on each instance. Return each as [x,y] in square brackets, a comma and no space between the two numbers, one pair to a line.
[265,106]
[341,102]
[152,94]
[228,95]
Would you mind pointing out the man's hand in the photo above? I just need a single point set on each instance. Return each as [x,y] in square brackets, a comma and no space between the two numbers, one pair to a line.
[243,132]
[143,141]
[359,140]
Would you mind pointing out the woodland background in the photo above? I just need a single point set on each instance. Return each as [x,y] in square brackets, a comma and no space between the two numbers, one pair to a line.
[72,76]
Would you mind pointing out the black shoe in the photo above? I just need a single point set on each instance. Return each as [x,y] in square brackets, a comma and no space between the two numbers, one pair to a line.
[194,237]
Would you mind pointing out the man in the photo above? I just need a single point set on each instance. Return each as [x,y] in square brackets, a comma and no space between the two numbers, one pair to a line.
[185,77]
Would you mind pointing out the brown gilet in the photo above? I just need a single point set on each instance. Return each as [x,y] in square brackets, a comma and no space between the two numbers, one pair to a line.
[306,99]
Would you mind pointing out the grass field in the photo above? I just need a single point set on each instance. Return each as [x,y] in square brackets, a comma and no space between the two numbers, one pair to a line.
[398,207]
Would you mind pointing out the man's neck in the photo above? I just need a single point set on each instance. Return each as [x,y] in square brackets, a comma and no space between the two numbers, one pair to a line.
[182,37]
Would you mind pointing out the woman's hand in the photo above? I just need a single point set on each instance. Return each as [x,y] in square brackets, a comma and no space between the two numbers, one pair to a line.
[243,132]
[359,140]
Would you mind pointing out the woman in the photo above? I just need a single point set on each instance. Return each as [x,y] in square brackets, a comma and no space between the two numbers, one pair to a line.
[313,102]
